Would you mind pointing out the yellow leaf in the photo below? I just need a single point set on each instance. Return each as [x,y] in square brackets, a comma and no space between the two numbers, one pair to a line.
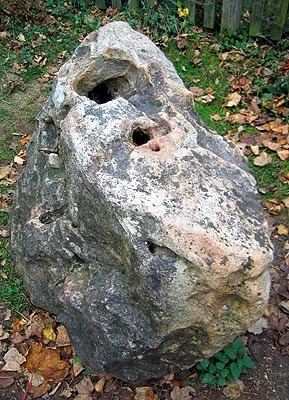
[49,334]
[286,202]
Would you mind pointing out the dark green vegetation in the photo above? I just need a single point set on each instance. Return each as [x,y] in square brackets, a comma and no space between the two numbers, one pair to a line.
[226,366]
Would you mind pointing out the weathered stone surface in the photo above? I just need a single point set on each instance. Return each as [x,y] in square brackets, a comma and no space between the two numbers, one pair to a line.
[140,229]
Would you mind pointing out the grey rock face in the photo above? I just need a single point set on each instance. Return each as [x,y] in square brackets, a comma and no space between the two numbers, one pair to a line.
[133,223]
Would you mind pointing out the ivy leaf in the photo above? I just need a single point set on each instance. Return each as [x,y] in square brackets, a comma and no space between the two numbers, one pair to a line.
[225,372]
[248,362]
[221,381]
[220,365]
[235,370]
[207,378]
[202,365]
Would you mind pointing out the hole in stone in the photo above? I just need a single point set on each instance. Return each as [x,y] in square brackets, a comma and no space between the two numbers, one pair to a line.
[151,246]
[140,137]
[109,90]
[155,147]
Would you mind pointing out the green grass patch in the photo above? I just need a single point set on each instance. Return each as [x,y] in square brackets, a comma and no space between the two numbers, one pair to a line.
[11,288]
[206,74]
[269,177]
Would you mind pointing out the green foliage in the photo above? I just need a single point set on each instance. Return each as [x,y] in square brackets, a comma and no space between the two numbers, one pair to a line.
[225,366]
[11,287]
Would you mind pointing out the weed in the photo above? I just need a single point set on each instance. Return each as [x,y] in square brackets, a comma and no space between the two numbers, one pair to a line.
[226,366]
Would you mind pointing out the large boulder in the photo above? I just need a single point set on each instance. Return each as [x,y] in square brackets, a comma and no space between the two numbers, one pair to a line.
[133,223]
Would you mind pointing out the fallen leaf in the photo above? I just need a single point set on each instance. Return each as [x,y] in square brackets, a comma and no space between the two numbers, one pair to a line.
[46,362]
[5,171]
[263,159]
[282,230]
[18,160]
[98,387]
[49,334]
[62,338]
[255,150]
[183,393]
[3,335]
[6,379]
[234,390]
[233,99]
[283,154]
[35,379]
[144,393]
[237,119]
[13,360]
[84,389]
[271,145]
[241,83]
[66,393]
[77,367]
[25,139]
[39,391]
[181,42]
[274,206]
[197,91]
[208,98]
[216,117]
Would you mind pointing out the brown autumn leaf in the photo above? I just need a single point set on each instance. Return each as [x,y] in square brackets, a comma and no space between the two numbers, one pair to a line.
[98,387]
[197,91]
[6,379]
[216,117]
[13,360]
[233,99]
[283,154]
[62,338]
[207,98]
[181,42]
[271,145]
[39,391]
[234,390]
[242,83]
[18,160]
[25,139]
[282,229]
[183,393]
[46,362]
[5,171]
[274,206]
[263,159]
[237,119]
[144,393]
[84,389]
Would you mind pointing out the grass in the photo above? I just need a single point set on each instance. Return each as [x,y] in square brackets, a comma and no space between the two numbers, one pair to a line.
[11,288]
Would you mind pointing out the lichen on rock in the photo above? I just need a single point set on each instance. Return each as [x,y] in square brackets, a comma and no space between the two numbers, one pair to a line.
[133,223]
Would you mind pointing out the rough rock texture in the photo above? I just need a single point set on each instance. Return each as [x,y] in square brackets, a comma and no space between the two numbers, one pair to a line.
[140,229]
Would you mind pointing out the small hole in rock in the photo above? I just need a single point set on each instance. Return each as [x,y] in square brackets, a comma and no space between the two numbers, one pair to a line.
[155,147]
[140,137]
[101,94]
[151,246]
